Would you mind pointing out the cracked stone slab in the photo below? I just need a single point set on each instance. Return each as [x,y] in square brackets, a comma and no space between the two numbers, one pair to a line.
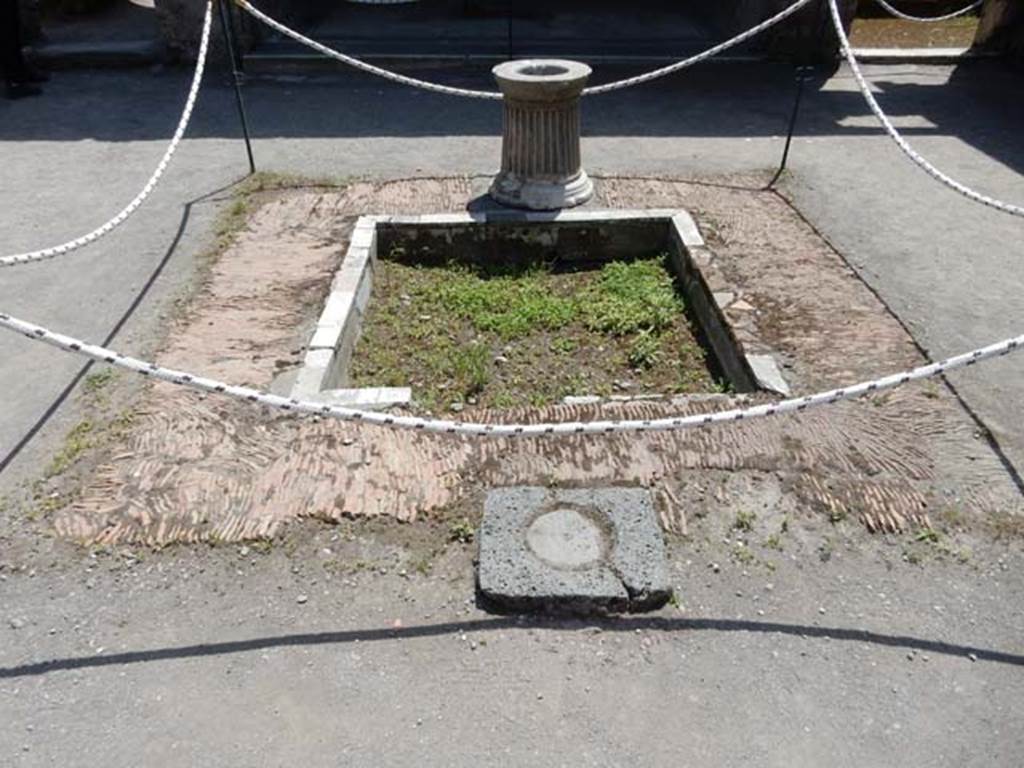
[768,375]
[594,550]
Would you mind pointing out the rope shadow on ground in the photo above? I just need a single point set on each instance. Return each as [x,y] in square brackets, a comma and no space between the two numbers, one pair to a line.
[127,315]
[624,624]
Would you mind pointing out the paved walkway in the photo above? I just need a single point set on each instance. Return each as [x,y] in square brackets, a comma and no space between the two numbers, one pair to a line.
[226,657]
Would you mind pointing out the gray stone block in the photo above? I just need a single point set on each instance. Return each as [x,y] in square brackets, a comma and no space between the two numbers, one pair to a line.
[572,551]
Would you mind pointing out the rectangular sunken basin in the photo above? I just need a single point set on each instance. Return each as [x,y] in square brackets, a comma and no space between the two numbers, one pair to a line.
[445,312]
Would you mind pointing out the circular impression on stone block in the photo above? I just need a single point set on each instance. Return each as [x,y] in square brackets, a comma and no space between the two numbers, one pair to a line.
[566,539]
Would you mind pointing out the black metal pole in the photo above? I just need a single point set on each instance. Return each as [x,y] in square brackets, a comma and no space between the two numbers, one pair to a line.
[236,78]
[804,73]
[238,58]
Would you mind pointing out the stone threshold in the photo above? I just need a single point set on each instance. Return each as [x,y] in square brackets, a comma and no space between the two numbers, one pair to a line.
[920,55]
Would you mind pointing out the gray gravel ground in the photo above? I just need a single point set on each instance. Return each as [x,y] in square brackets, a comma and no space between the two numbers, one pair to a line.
[233,657]
[209,658]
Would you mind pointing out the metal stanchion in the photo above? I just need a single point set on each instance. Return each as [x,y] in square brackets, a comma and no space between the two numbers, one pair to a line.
[238,58]
[804,73]
[236,75]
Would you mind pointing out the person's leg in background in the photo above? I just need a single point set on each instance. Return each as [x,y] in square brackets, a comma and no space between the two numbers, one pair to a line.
[20,79]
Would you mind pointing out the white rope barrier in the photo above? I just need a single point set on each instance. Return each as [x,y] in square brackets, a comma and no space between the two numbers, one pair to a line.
[292,405]
[192,381]
[360,64]
[929,19]
[909,151]
[494,95]
[128,210]
[710,52]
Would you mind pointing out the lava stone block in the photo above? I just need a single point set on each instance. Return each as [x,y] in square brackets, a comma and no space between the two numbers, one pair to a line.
[594,550]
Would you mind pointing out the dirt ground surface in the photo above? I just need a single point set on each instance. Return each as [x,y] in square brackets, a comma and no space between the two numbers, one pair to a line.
[889,32]
[174,466]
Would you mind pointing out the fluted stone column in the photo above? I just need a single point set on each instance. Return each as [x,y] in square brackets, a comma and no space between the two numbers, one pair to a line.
[540,156]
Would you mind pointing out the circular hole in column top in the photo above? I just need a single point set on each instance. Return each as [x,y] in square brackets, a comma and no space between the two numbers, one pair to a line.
[543,70]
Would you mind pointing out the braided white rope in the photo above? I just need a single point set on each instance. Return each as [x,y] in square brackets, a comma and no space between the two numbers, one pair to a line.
[714,51]
[358,63]
[474,94]
[128,210]
[929,19]
[909,151]
[293,405]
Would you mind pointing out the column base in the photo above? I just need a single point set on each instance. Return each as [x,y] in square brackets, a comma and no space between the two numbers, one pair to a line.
[517,192]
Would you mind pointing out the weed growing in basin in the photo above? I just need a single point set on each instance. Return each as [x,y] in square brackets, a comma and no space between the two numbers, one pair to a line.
[575,386]
[504,335]
[564,346]
[645,351]
[471,367]
[503,400]
[632,297]
[507,306]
